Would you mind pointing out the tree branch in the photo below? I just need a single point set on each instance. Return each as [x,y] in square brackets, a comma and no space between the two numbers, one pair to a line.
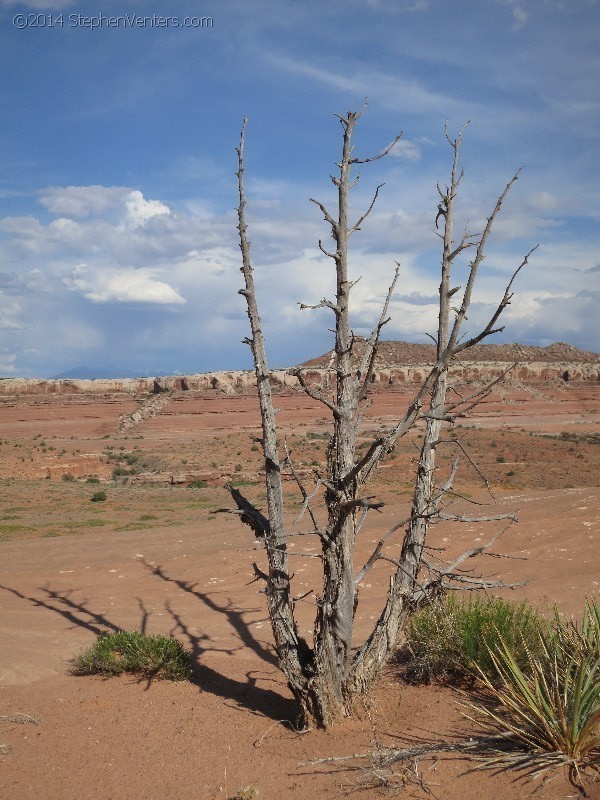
[322,304]
[356,227]
[249,514]
[383,154]
[489,328]
[367,361]
[326,214]
[315,394]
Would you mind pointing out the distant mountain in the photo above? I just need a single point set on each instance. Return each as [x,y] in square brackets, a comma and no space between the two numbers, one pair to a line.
[88,374]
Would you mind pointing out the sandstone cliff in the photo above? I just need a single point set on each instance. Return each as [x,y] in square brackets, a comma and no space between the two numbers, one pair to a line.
[398,364]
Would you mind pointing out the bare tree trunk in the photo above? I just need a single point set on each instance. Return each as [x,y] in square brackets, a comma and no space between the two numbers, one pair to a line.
[326,678]
[292,650]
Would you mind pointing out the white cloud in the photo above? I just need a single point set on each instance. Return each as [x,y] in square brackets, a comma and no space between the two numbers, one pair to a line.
[140,210]
[544,201]
[9,313]
[519,12]
[547,319]
[389,90]
[7,362]
[80,201]
[122,286]
[398,6]
[145,272]
[130,205]
[406,150]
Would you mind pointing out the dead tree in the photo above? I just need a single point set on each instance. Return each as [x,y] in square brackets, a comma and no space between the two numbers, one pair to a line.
[327,674]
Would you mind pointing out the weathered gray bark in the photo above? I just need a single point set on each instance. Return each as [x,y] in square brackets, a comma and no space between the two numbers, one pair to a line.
[326,677]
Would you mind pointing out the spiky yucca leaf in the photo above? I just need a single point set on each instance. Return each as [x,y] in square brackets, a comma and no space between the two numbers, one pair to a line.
[549,711]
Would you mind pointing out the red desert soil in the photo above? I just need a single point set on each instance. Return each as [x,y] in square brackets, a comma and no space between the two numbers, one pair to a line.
[159,557]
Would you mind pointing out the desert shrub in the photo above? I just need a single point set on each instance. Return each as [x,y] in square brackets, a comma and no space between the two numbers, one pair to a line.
[548,710]
[67,477]
[98,497]
[130,651]
[451,639]
[246,793]
[197,483]
[92,479]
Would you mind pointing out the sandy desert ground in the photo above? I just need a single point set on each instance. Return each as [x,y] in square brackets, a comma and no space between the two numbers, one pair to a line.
[161,556]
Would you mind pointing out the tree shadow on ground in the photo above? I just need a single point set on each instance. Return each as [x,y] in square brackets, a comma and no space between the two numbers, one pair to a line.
[248,693]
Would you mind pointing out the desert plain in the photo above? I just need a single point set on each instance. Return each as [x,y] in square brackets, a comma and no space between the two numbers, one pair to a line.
[162,554]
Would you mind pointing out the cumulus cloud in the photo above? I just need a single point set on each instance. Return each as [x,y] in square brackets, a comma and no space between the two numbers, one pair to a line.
[122,267]
[140,210]
[121,286]
[535,318]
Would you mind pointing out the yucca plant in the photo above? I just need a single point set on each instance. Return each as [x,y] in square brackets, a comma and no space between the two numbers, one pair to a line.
[547,714]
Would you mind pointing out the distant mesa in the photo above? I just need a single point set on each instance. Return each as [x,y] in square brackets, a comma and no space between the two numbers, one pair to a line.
[398,365]
[95,373]
[393,354]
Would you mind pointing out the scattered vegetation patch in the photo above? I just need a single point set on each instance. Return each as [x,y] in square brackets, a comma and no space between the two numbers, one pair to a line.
[98,497]
[8,531]
[133,652]
[453,639]
[73,524]
[197,483]
[246,793]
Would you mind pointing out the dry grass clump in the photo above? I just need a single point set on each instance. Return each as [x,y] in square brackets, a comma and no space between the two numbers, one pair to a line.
[452,640]
[133,652]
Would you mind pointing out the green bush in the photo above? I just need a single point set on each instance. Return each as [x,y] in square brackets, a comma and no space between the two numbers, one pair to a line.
[130,651]
[98,497]
[451,639]
[67,477]
[547,713]
[197,483]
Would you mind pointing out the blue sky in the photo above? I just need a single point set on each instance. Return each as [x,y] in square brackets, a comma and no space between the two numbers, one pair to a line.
[117,171]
